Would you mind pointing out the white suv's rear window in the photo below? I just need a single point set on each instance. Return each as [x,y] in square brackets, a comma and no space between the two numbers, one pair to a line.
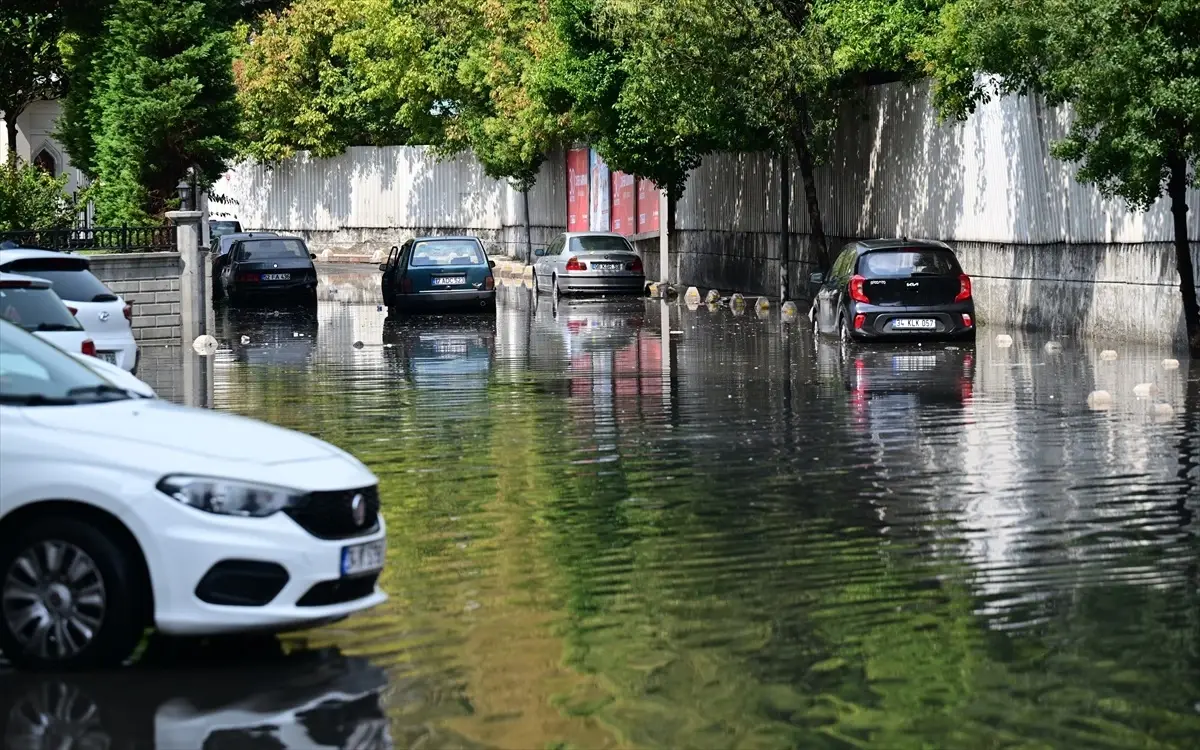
[70,279]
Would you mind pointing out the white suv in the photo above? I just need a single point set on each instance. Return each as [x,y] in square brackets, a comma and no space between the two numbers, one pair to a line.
[106,317]
[118,514]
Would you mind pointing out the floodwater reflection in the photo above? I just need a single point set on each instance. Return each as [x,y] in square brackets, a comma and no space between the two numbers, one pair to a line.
[206,697]
[622,523]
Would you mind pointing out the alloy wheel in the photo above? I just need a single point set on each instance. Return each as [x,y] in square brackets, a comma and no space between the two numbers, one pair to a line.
[53,600]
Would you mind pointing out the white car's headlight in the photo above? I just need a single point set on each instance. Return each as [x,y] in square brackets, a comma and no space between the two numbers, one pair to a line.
[229,497]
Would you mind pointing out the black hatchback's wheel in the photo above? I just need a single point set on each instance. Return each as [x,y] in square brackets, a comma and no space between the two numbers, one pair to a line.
[68,598]
[844,332]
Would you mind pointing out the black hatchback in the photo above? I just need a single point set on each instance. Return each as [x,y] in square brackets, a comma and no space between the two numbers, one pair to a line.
[262,268]
[894,289]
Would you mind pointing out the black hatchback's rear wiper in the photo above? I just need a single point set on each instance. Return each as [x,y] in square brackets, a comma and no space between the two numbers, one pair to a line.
[104,298]
[34,399]
[99,391]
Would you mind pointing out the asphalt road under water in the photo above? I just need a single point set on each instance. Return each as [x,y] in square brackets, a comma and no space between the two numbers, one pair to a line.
[622,523]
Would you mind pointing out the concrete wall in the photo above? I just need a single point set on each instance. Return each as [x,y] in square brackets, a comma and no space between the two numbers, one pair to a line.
[151,282]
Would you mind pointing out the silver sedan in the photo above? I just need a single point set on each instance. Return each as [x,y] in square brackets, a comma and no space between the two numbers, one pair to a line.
[589,262]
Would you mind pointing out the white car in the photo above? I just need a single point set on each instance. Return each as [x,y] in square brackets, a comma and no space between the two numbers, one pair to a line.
[106,317]
[119,513]
[30,303]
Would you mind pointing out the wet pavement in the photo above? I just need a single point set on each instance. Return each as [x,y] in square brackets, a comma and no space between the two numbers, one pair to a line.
[624,523]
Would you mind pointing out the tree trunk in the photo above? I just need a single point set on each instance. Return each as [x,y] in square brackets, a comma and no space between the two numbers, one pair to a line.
[1177,190]
[816,226]
[785,231]
[10,124]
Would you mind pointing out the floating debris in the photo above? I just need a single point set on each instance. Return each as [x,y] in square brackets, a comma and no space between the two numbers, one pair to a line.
[1108,355]
[471,606]
[1145,390]
[205,345]
[1004,341]
[1170,364]
[245,339]
[1100,400]
[358,345]
[1164,411]
[1053,347]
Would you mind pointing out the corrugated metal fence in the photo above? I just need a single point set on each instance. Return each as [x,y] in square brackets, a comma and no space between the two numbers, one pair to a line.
[892,170]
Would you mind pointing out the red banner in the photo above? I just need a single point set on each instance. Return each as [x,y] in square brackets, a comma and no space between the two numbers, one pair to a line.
[647,207]
[624,207]
[577,190]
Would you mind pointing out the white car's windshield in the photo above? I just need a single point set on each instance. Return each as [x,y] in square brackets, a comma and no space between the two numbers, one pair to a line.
[34,373]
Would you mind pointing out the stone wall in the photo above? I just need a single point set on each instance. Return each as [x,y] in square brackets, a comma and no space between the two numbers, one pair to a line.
[151,282]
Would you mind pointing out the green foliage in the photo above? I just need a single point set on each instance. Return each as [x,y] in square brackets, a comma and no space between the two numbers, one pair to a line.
[30,63]
[1130,70]
[32,199]
[153,99]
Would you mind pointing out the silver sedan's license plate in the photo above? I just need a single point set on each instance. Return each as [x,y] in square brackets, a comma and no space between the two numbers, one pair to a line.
[109,357]
[363,558]
[276,276]
[608,266]
[917,324]
[449,280]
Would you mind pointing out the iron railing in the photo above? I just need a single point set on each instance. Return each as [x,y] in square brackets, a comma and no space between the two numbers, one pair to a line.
[122,239]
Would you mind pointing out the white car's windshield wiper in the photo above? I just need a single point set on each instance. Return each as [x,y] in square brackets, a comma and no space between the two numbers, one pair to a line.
[102,391]
[34,399]
[57,327]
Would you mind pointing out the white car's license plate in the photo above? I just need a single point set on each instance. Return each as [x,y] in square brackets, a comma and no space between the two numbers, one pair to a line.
[276,276]
[449,280]
[607,266]
[109,357]
[920,324]
[363,558]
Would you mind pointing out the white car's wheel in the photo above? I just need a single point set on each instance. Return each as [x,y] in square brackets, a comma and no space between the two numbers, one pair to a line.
[68,597]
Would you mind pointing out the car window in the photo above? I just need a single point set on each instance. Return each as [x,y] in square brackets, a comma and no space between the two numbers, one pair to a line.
[32,371]
[907,262]
[600,245]
[69,277]
[282,249]
[447,253]
[36,309]
[556,247]
[218,229]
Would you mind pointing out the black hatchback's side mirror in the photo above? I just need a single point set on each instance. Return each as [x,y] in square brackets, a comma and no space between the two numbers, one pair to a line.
[817,278]
[383,266]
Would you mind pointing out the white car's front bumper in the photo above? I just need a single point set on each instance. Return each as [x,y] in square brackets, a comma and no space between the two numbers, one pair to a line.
[189,543]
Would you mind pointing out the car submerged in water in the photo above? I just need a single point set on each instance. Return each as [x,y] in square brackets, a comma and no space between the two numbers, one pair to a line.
[437,274]
[262,269]
[894,289]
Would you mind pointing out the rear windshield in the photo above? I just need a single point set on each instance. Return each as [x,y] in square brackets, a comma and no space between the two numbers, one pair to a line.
[910,262]
[36,310]
[447,253]
[221,228]
[599,245]
[71,280]
[272,250]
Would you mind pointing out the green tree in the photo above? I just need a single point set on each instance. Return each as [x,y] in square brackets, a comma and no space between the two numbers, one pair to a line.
[31,67]
[156,99]
[31,199]
[1130,71]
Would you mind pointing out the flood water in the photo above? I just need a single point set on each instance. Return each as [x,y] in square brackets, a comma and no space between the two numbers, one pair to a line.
[631,524]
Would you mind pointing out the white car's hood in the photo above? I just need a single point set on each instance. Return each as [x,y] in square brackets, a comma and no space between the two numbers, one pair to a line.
[199,433]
